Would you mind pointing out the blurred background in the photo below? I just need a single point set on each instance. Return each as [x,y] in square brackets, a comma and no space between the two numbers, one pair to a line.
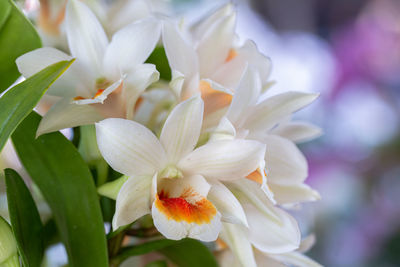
[349,51]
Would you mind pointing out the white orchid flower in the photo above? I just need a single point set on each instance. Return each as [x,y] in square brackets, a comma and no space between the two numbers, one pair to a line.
[208,59]
[106,78]
[171,179]
[249,256]
[120,13]
[247,117]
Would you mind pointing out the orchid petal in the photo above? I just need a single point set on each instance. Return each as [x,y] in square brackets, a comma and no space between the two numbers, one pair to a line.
[307,243]
[224,160]
[86,38]
[172,217]
[227,204]
[249,191]
[133,201]
[131,46]
[175,230]
[181,55]
[124,12]
[285,163]
[176,83]
[255,58]
[295,259]
[272,110]
[264,259]
[278,236]
[129,147]
[182,129]
[200,28]
[295,193]
[214,47]
[246,95]
[297,131]
[36,60]
[99,98]
[65,114]
[136,82]
[224,131]
[237,239]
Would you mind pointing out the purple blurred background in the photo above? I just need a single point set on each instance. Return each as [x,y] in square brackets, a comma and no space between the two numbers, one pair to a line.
[349,51]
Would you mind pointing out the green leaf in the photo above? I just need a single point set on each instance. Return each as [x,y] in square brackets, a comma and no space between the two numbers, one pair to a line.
[67,185]
[17,36]
[19,101]
[185,252]
[189,253]
[159,58]
[25,220]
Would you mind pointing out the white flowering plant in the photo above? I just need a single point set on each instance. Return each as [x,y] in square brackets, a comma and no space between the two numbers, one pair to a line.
[177,156]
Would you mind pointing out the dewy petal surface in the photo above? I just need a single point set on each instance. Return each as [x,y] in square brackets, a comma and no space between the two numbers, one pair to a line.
[182,129]
[131,46]
[181,209]
[133,200]
[86,38]
[129,147]
[224,160]
[65,114]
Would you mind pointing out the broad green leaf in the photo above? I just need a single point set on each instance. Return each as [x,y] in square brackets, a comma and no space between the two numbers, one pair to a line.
[17,36]
[25,220]
[185,252]
[159,58]
[67,185]
[19,101]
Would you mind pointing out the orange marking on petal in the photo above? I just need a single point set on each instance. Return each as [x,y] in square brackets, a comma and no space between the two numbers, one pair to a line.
[179,209]
[256,176]
[98,93]
[213,99]
[79,98]
[138,103]
[231,55]
[221,244]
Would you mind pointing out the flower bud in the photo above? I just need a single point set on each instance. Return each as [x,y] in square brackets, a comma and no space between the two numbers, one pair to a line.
[8,246]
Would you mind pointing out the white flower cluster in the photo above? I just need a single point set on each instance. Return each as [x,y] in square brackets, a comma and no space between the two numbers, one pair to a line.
[204,153]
